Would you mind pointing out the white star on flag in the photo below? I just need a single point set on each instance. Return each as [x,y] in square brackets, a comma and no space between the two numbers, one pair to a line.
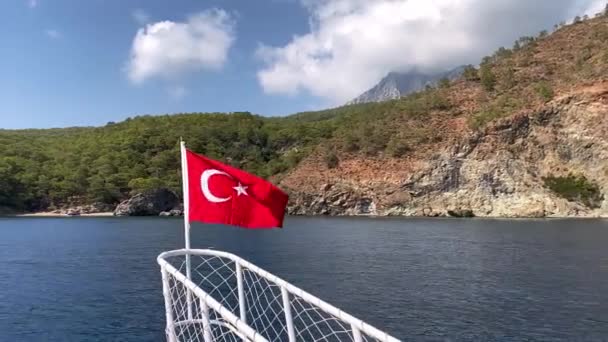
[241,190]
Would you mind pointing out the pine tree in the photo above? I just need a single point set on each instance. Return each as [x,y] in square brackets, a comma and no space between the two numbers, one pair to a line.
[488,80]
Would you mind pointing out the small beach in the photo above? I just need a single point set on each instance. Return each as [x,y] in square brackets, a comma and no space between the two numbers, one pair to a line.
[52,214]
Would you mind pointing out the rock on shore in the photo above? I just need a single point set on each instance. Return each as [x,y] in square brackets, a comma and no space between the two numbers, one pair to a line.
[149,203]
[78,210]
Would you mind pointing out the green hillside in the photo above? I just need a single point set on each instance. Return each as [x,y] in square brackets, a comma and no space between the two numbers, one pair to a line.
[42,168]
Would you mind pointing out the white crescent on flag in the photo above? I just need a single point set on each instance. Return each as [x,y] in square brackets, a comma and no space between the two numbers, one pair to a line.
[205,186]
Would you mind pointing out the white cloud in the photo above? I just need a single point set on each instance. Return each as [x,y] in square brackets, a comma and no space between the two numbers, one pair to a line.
[32,4]
[168,49]
[140,16]
[593,7]
[353,43]
[177,92]
[53,34]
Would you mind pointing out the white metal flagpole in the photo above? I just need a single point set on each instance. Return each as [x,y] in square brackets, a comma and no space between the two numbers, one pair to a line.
[186,196]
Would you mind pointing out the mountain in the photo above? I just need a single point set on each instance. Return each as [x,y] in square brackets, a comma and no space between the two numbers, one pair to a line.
[396,84]
[523,135]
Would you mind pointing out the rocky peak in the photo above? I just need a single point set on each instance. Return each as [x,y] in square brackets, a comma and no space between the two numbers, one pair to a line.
[397,84]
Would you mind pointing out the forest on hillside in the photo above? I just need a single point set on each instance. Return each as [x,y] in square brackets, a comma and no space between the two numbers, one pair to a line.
[53,168]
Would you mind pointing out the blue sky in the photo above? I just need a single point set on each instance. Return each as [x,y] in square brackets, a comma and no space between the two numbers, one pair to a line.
[63,62]
[76,62]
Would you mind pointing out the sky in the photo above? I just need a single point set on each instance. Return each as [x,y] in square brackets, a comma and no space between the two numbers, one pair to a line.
[88,62]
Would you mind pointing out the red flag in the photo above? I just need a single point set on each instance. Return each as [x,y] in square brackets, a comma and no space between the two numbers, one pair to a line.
[219,193]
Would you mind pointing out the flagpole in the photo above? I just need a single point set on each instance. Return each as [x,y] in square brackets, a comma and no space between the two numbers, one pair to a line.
[186,196]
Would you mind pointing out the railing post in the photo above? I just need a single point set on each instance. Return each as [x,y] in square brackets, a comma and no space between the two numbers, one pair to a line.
[356,334]
[169,330]
[207,336]
[189,293]
[288,317]
[241,290]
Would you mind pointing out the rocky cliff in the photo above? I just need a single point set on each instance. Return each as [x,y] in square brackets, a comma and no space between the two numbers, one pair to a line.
[498,171]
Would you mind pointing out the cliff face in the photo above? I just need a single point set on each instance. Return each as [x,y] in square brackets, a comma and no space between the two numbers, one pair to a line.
[496,172]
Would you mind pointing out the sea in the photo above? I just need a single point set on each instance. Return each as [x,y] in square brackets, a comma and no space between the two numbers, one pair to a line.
[96,279]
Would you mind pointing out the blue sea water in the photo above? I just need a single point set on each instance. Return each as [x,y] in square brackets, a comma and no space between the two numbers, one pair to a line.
[96,279]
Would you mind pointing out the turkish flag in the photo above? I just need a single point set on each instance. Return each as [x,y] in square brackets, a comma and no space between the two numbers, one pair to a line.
[219,193]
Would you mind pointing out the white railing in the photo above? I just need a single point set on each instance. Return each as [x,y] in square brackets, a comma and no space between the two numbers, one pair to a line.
[229,299]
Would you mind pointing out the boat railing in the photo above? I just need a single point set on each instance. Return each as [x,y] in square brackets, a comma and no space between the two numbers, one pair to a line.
[217,296]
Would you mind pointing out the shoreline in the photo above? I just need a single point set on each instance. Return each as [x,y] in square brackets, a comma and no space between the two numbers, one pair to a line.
[111,214]
[51,214]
